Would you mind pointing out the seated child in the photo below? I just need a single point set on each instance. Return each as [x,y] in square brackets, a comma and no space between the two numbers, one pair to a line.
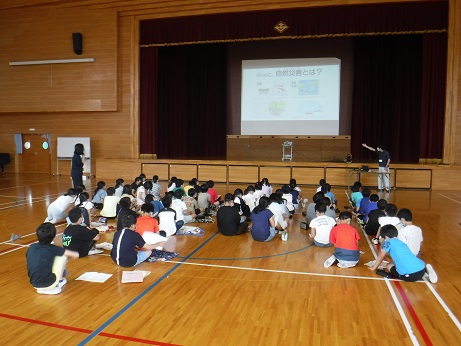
[263,221]
[280,212]
[295,193]
[191,203]
[129,248]
[110,204]
[80,238]
[99,195]
[229,221]
[86,206]
[406,266]
[46,262]
[372,225]
[390,219]
[141,192]
[371,205]
[330,210]
[167,217]
[119,187]
[156,204]
[410,234]
[182,213]
[321,226]
[244,210]
[345,238]
[356,197]
[258,192]
[288,197]
[248,197]
[203,198]
[155,190]
[57,210]
[310,212]
[125,209]
[146,222]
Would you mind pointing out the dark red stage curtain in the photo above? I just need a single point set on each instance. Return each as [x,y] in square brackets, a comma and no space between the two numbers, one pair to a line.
[393,81]
[191,121]
[305,22]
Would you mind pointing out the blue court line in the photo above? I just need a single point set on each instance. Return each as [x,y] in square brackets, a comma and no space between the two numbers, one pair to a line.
[247,258]
[135,300]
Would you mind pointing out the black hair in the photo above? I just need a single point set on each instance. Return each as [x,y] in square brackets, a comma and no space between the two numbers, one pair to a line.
[100,185]
[84,196]
[166,201]
[179,182]
[125,202]
[142,176]
[119,182]
[325,200]
[320,207]
[381,204]
[71,192]
[228,197]
[405,214]
[238,192]
[389,231]
[147,185]
[374,197]
[275,197]
[355,188]
[128,221]
[79,149]
[110,191]
[328,186]
[210,183]
[74,214]
[366,192]
[286,189]
[46,233]
[391,210]
[127,189]
[318,196]
[155,178]
[179,193]
[263,204]
[149,198]
[191,192]
[345,215]
[258,186]
[147,208]
[250,188]
[193,182]
[322,182]
[265,181]
[204,187]
[172,180]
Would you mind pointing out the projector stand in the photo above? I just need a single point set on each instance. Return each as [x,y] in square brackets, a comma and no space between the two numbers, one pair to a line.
[287,151]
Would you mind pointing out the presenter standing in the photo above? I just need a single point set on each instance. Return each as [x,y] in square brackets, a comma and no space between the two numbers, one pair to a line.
[77,165]
[384,160]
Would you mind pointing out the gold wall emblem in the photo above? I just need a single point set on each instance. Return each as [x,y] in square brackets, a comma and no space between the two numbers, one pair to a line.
[281,27]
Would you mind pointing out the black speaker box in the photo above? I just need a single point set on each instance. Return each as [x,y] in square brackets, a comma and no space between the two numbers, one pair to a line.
[77,41]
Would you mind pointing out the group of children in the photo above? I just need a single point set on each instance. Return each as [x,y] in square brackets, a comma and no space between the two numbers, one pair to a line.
[145,219]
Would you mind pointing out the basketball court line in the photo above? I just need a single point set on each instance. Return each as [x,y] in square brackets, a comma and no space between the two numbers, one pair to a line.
[454,200]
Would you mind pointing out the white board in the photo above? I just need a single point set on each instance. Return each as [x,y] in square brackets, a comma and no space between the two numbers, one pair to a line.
[66,146]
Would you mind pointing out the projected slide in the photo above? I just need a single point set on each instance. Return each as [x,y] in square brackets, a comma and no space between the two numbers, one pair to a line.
[290,97]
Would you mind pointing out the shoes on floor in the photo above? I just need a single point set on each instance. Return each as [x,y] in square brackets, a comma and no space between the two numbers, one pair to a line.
[94,251]
[375,241]
[104,246]
[329,262]
[55,290]
[62,282]
[344,266]
[285,236]
[432,274]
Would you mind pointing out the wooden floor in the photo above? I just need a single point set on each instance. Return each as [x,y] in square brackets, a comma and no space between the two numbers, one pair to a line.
[231,290]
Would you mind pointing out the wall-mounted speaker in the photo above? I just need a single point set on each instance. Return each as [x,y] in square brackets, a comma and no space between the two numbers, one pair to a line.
[77,41]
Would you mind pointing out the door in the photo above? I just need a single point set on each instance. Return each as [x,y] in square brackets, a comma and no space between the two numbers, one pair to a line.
[35,156]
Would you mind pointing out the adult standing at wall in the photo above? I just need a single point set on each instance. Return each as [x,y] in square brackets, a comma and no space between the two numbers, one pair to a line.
[77,165]
[384,159]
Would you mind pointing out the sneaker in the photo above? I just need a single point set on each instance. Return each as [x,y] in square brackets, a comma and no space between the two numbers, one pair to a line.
[94,251]
[285,236]
[432,274]
[55,290]
[342,265]
[383,273]
[329,262]
[62,282]
[375,241]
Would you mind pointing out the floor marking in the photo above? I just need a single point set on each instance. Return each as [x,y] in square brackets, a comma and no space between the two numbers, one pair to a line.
[84,331]
[454,200]
[141,295]
[284,271]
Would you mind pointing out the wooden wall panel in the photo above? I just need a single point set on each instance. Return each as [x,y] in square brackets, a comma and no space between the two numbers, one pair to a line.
[413,179]
[184,172]
[217,173]
[45,33]
[243,174]
[276,175]
[308,175]
[305,148]
[109,170]
[159,169]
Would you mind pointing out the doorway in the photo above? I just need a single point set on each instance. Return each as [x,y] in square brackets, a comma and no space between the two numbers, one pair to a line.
[35,156]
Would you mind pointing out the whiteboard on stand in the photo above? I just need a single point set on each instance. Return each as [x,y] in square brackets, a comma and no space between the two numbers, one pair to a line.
[66,146]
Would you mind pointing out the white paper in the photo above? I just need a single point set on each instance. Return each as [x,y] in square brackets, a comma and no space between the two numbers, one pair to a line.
[94,277]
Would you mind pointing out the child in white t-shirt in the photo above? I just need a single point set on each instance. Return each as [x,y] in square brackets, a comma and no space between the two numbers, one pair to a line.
[321,226]
[410,234]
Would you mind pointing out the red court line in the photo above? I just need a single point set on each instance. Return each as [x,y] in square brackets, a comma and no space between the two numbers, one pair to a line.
[413,314]
[84,331]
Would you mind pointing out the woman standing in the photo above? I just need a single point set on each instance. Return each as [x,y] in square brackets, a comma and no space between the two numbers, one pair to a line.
[77,165]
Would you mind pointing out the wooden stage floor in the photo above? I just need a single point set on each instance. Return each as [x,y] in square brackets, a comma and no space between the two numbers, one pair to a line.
[231,290]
